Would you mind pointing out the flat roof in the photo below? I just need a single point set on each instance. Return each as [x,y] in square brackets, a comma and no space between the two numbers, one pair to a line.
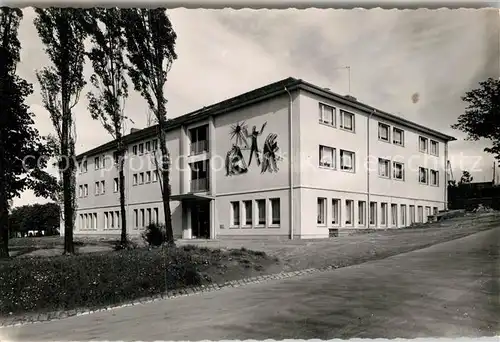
[260,94]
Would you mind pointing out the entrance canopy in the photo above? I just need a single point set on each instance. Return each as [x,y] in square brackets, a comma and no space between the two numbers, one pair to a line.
[190,197]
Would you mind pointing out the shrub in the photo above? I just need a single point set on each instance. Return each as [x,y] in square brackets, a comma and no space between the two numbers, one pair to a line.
[155,234]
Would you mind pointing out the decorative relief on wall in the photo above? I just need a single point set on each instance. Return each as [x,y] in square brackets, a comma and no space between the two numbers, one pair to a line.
[235,158]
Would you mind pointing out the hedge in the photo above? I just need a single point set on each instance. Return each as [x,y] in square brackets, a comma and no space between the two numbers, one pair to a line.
[95,279]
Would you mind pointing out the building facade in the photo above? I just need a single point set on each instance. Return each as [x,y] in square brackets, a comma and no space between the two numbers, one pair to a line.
[288,160]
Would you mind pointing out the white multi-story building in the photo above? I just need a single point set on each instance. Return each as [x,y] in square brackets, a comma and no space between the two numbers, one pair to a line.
[290,160]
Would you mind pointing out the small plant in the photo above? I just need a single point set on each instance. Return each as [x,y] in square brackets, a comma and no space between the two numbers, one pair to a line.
[154,235]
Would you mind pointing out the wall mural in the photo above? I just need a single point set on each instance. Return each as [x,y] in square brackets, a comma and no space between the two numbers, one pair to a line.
[235,160]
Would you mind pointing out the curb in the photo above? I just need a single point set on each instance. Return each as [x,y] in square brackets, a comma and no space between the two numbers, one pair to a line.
[8,322]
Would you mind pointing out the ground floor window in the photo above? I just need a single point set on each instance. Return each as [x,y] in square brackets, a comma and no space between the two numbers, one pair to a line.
[247,207]
[235,213]
[261,212]
[412,214]
[435,210]
[321,214]
[420,214]
[349,211]
[361,212]
[335,211]
[403,215]
[427,213]
[383,214]
[394,215]
[275,211]
[373,213]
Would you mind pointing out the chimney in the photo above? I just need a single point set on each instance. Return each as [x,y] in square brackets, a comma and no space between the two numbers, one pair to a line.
[132,130]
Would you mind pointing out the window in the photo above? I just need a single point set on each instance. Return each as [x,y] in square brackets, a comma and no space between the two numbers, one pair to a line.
[423,175]
[412,214]
[335,211]
[96,189]
[103,187]
[403,215]
[155,145]
[327,156]
[434,148]
[148,146]
[155,176]
[422,144]
[84,165]
[361,212]
[96,163]
[149,218]
[427,213]
[434,178]
[398,171]
[420,214]
[134,179]
[141,178]
[346,160]
[143,218]
[141,148]
[155,213]
[373,213]
[81,221]
[346,120]
[398,136]
[235,213]
[85,190]
[394,215]
[321,211]
[134,149]
[80,191]
[327,114]
[95,220]
[275,211]
[383,132]
[87,221]
[199,139]
[103,162]
[136,218]
[261,212]
[247,207]
[349,212]
[106,220]
[117,223]
[148,176]
[383,214]
[384,168]
[115,157]
[115,185]
[435,210]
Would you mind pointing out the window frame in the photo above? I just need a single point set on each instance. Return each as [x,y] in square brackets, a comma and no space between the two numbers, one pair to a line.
[426,182]
[388,127]
[341,124]
[321,119]
[271,212]
[394,168]
[245,213]
[386,163]
[394,129]
[258,210]
[436,143]
[334,157]
[353,160]
[426,140]
[323,202]
[431,183]
[336,206]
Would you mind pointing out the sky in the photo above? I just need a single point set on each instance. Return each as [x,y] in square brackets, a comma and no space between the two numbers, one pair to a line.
[392,55]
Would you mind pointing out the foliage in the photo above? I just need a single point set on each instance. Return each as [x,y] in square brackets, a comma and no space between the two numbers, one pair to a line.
[36,217]
[107,100]
[101,279]
[154,234]
[22,150]
[151,52]
[63,31]
[482,115]
[466,178]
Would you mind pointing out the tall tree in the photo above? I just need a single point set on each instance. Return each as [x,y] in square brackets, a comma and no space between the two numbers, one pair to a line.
[151,51]
[107,100]
[22,150]
[482,115]
[63,31]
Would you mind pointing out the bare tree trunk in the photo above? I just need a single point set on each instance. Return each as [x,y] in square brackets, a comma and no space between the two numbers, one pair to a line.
[121,184]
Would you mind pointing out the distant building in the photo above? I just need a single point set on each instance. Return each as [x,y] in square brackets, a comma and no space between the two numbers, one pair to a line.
[233,173]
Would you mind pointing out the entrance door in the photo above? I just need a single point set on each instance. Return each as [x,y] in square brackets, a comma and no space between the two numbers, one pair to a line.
[200,220]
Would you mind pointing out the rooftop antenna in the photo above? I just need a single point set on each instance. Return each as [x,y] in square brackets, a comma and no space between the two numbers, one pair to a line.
[348,75]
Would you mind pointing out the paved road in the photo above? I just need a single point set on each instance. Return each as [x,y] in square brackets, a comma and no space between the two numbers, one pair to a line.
[447,290]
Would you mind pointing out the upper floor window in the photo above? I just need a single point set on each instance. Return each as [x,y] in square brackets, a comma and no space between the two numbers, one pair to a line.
[134,179]
[103,187]
[422,144]
[141,148]
[327,114]
[423,175]
[347,160]
[84,165]
[398,136]
[434,148]
[347,121]
[134,150]
[96,163]
[434,178]
[327,156]
[103,162]
[398,170]
[199,139]
[154,144]
[383,132]
[384,168]
[85,190]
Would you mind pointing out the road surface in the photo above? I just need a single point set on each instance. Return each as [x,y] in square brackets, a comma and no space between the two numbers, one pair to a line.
[447,290]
